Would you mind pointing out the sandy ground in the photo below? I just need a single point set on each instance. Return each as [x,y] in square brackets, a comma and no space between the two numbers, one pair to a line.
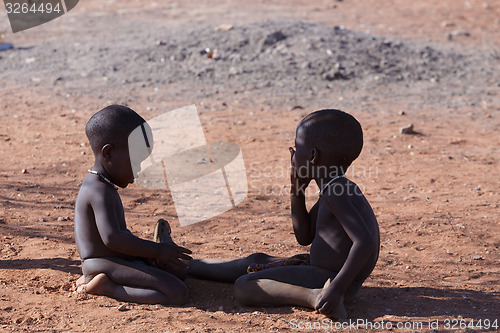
[435,193]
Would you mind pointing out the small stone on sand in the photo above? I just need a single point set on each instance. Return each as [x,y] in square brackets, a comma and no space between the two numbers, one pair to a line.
[122,307]
[407,129]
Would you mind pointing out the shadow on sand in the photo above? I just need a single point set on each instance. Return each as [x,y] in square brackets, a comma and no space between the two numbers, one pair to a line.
[59,264]
[370,304]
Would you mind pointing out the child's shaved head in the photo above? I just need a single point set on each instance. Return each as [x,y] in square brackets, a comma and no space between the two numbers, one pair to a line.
[337,135]
[112,125]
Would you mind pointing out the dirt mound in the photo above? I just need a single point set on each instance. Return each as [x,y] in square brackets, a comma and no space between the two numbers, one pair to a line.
[293,49]
[284,56]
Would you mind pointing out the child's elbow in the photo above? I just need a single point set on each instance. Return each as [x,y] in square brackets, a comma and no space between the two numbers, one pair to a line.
[303,243]
[369,247]
[367,244]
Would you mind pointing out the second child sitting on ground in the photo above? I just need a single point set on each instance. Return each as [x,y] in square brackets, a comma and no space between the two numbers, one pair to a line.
[341,228]
[116,263]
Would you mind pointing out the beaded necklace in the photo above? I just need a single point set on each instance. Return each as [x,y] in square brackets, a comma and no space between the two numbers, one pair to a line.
[329,183]
[104,178]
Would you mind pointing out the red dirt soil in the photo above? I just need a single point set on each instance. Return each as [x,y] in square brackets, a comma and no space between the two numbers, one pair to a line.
[435,194]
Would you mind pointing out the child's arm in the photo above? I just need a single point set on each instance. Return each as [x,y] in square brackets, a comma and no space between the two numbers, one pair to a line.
[304,222]
[362,245]
[123,241]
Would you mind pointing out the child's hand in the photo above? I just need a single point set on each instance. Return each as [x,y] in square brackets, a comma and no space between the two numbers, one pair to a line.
[170,253]
[299,184]
[328,302]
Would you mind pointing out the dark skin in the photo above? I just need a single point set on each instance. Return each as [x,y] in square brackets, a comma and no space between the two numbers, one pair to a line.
[341,229]
[110,250]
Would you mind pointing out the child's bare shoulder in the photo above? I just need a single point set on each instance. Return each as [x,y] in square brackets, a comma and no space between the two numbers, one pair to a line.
[342,191]
[92,190]
[347,200]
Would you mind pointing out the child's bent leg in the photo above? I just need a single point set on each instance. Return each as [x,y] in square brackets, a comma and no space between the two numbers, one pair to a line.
[226,270]
[292,285]
[102,285]
[132,282]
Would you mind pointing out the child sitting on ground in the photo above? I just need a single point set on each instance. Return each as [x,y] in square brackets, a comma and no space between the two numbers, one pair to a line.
[116,263]
[341,228]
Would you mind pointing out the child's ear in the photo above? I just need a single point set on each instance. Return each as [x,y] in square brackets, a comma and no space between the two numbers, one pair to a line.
[314,156]
[107,151]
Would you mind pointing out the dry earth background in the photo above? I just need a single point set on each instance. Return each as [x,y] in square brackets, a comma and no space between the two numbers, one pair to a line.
[435,64]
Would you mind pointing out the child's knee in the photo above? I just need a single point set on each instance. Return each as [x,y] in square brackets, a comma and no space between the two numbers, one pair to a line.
[257,258]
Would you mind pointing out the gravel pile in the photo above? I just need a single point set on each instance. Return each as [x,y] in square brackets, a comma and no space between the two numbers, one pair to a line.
[283,57]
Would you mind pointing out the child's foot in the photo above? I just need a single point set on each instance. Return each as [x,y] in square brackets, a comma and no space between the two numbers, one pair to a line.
[99,285]
[162,232]
[78,283]
[341,313]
